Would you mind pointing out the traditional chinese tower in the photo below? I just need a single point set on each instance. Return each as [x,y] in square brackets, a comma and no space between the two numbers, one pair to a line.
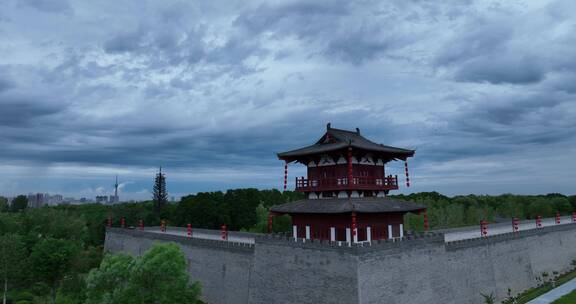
[346,188]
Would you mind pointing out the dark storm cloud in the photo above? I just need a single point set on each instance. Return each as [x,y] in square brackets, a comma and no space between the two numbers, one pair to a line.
[22,111]
[503,48]
[334,29]
[5,85]
[499,70]
[196,86]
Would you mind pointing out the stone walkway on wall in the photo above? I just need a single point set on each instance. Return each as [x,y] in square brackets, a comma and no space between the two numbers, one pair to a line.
[454,234]
[555,293]
[500,228]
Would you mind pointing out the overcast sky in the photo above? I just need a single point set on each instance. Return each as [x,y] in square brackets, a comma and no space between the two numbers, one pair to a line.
[485,91]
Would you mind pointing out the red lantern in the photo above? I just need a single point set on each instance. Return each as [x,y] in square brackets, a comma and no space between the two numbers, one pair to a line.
[515,226]
[109,223]
[141,224]
[189,230]
[224,232]
[407,175]
[484,228]
[123,222]
[538,222]
[557,218]
[163,226]
[285,175]
[350,168]
[574,216]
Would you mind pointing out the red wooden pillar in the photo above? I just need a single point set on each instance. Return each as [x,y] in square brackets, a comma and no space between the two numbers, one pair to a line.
[270,216]
[557,218]
[407,175]
[515,226]
[109,223]
[538,222]
[426,224]
[484,228]
[141,224]
[163,225]
[354,230]
[122,222]
[189,230]
[573,216]
[350,169]
[224,232]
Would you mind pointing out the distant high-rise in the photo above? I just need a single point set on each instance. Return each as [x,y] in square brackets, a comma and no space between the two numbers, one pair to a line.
[36,200]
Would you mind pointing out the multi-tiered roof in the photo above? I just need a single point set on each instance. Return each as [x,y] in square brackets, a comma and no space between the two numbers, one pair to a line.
[346,177]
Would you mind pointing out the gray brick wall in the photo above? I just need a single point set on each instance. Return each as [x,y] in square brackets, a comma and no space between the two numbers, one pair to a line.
[420,269]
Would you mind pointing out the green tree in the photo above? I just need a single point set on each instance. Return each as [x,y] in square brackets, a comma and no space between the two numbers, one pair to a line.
[58,224]
[4,204]
[158,277]
[572,200]
[159,193]
[51,259]
[110,282]
[19,203]
[12,258]
[204,210]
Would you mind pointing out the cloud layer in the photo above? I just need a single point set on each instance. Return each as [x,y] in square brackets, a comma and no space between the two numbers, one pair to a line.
[484,90]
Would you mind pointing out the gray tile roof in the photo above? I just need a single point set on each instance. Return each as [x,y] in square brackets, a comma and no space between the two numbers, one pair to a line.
[345,205]
[337,139]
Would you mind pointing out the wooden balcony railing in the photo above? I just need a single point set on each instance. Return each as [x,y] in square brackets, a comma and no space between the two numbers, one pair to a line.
[341,183]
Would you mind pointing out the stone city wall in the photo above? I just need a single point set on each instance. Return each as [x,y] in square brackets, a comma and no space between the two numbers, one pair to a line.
[419,269]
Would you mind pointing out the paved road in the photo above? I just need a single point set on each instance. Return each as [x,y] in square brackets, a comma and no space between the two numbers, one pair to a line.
[555,293]
[500,228]
[449,235]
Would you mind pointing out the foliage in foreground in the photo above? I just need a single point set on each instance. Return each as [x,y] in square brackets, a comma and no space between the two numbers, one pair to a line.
[157,277]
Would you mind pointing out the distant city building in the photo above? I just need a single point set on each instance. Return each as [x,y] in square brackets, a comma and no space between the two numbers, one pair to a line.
[36,200]
[102,199]
[113,199]
[56,199]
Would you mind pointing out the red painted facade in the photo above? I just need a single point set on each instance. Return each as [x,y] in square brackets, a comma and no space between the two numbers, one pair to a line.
[320,225]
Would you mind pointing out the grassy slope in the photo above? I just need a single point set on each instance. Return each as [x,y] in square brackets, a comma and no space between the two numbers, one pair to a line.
[567,299]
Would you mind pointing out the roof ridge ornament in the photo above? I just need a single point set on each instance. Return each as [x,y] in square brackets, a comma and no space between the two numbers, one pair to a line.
[328,126]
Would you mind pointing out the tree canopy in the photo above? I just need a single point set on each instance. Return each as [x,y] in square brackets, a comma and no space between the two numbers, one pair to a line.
[19,203]
[157,277]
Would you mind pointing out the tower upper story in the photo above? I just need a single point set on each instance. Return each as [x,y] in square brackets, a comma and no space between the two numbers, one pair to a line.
[344,164]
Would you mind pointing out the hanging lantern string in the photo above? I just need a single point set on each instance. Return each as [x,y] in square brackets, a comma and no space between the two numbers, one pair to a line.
[285,175]
[407,175]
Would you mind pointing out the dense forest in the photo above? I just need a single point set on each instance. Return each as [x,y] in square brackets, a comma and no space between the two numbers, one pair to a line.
[48,253]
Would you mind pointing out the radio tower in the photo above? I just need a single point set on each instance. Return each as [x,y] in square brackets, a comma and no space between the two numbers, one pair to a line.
[116,199]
